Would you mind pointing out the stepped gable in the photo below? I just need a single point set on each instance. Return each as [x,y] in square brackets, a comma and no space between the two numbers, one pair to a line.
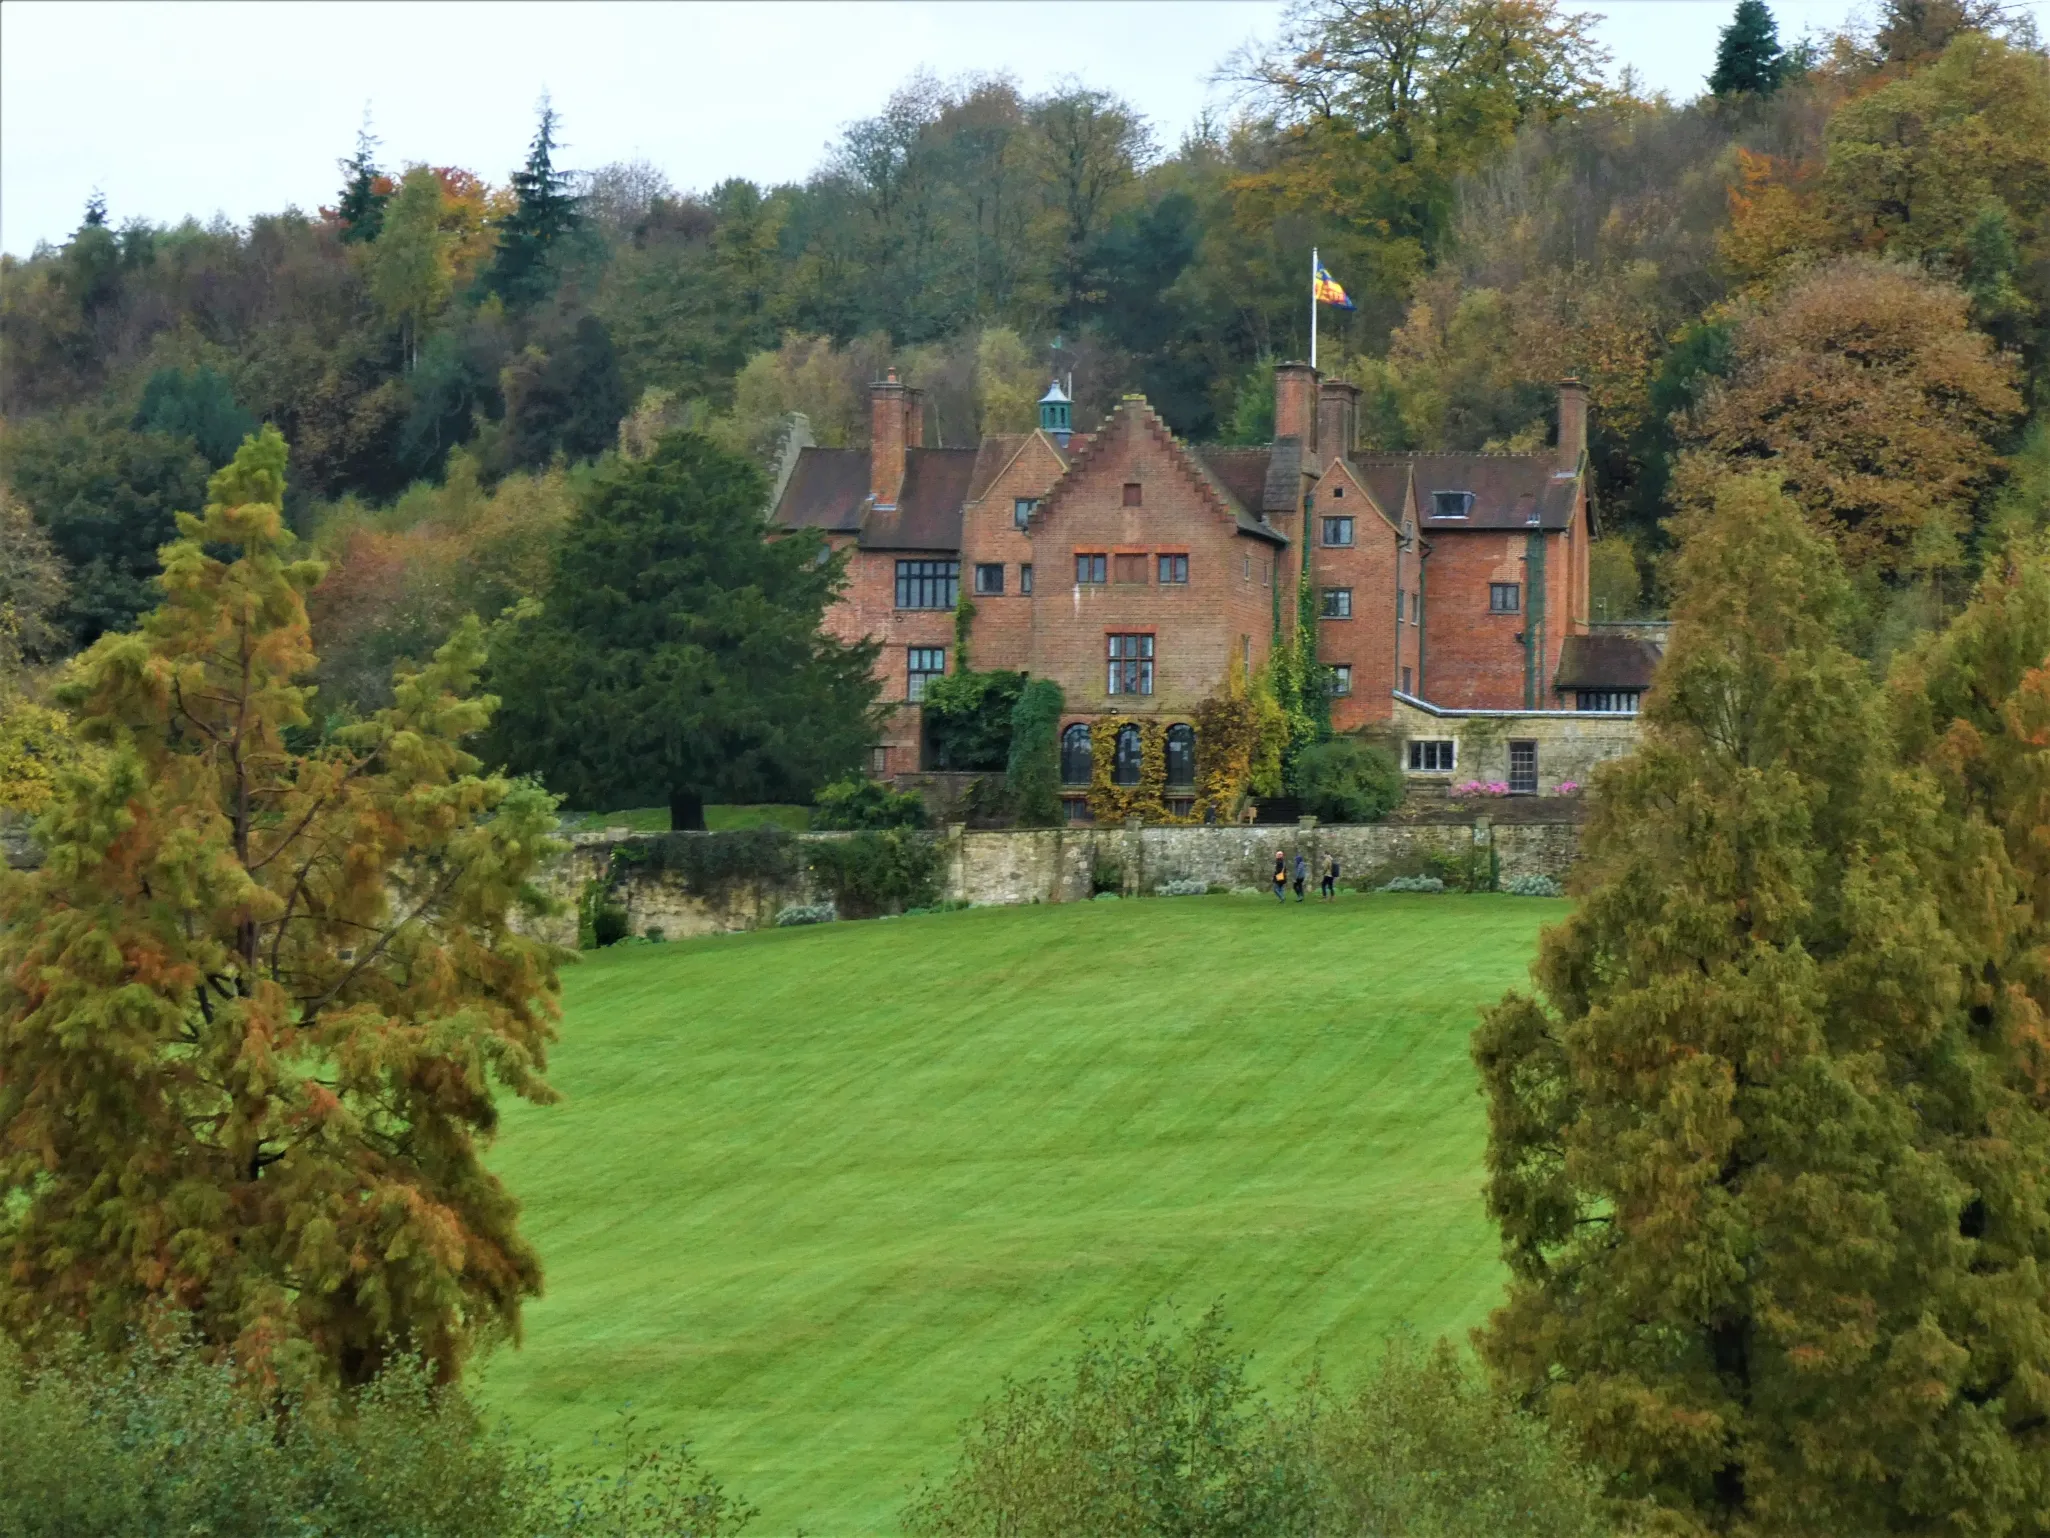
[1134,410]
[1606,662]
[928,511]
[1510,491]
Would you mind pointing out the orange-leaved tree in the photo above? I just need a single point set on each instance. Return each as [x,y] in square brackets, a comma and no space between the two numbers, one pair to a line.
[254,1004]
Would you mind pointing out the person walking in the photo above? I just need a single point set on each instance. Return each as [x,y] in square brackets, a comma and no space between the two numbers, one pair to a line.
[1280,876]
[1331,878]
[1302,876]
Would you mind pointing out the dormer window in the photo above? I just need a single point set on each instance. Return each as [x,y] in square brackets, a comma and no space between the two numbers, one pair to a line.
[1451,504]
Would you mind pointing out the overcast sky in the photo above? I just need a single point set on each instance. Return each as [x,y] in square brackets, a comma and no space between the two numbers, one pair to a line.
[173,109]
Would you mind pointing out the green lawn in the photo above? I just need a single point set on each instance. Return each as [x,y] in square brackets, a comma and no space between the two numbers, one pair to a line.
[811,1193]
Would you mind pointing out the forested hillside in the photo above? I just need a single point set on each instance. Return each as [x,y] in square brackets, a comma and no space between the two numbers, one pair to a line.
[1837,260]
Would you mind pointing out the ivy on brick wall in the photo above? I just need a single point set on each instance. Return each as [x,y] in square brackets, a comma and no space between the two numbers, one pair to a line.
[1240,733]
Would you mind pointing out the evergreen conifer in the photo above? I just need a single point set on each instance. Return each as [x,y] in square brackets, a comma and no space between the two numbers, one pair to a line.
[1772,1198]
[545,214]
[361,208]
[1748,57]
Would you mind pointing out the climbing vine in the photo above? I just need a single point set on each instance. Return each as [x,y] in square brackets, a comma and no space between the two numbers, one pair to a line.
[1240,733]
[1110,802]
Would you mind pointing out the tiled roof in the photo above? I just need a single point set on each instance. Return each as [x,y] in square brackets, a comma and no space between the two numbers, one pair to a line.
[1510,491]
[825,491]
[928,511]
[996,452]
[1262,480]
[1605,662]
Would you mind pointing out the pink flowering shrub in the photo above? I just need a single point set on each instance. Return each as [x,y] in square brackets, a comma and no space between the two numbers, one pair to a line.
[1481,788]
[1568,788]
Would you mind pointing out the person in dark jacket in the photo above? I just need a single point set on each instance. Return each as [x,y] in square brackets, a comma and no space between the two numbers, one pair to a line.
[1330,878]
[1280,876]
[1302,876]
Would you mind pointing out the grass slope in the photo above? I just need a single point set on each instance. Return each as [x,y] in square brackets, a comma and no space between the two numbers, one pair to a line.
[812,1193]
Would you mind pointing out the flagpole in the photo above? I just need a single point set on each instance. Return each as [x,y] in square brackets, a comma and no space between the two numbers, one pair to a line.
[1313,307]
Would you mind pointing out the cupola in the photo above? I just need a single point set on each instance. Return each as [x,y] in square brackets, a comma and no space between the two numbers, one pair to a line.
[1055,414]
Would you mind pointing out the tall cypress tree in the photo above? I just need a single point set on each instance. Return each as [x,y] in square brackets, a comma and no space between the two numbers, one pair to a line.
[545,214]
[1770,1189]
[1748,57]
[361,208]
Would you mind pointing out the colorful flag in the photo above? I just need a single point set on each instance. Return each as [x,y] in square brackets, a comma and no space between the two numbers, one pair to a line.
[1328,291]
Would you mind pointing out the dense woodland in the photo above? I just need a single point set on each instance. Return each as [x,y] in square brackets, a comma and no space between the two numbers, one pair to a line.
[1837,260]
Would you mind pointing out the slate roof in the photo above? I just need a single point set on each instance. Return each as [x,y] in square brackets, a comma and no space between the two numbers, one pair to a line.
[1606,662]
[1510,491]
[1261,480]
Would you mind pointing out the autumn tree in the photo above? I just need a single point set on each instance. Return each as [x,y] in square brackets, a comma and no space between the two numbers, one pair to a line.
[410,269]
[1772,1205]
[679,651]
[254,1004]
[1866,390]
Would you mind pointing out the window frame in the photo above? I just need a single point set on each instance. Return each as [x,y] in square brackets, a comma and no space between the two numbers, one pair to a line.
[1334,603]
[1336,523]
[1096,574]
[1440,504]
[1621,702]
[1180,733]
[983,588]
[1128,757]
[1025,579]
[1022,509]
[915,677]
[1505,597]
[1173,568]
[1129,662]
[1076,737]
[1433,755]
[914,580]
[1338,679]
[1523,781]
[1135,494]
[1125,562]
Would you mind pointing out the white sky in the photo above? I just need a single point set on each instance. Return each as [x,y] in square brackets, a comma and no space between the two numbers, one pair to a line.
[175,108]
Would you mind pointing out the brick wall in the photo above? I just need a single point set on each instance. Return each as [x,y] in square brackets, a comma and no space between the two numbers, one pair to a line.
[1225,607]
[868,607]
[1002,634]
[1368,641]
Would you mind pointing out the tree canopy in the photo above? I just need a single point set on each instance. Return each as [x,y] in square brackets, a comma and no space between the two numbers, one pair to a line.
[254,1003]
[678,651]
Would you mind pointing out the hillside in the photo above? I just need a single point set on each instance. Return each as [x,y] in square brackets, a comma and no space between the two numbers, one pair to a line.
[811,1193]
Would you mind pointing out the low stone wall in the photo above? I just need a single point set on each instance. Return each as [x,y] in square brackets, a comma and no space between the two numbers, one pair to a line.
[1061,864]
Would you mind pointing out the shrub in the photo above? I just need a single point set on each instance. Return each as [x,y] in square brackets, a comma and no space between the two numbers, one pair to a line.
[1345,780]
[805,913]
[1414,884]
[878,871]
[968,718]
[1534,886]
[1033,772]
[1480,788]
[852,804]
[167,1441]
[1147,1432]
[1182,888]
[1107,897]
[600,921]
[1106,873]
[713,865]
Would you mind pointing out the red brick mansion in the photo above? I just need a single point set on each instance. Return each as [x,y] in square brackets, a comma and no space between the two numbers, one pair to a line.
[1132,568]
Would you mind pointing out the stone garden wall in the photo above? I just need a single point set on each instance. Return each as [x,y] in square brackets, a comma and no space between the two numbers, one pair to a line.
[1066,864]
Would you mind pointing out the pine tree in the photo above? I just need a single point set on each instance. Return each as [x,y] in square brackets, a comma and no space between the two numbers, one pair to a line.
[253,1005]
[679,653]
[1774,1264]
[545,215]
[1748,57]
[364,191]
[96,210]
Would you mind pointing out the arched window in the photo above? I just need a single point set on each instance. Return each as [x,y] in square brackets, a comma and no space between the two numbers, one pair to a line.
[1181,754]
[1125,767]
[1076,763]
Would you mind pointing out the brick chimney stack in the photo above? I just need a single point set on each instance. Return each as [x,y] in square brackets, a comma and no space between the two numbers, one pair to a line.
[896,422]
[1572,422]
[1338,419]
[1295,405]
